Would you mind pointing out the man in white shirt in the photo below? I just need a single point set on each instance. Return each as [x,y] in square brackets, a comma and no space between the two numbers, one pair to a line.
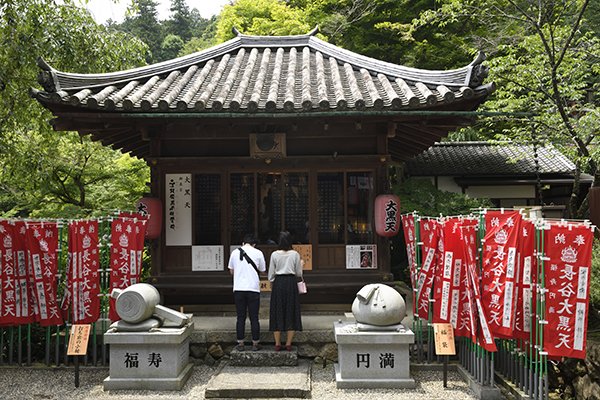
[246,288]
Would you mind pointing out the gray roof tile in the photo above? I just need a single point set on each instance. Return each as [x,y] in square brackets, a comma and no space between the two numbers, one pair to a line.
[253,74]
[473,159]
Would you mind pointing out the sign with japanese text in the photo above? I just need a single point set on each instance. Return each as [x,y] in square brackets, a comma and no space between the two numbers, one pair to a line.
[78,340]
[430,237]
[525,305]
[467,307]
[447,294]
[42,249]
[207,258]
[567,267]
[178,209]
[500,270]
[25,312]
[8,281]
[265,285]
[362,256]
[444,339]
[127,247]
[82,294]
[408,226]
[305,251]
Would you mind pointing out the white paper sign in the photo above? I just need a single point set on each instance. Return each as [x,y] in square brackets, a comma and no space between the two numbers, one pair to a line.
[178,209]
[207,258]
[362,256]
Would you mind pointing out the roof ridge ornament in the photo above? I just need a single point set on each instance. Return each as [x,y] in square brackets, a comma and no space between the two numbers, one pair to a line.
[235,31]
[478,71]
[314,31]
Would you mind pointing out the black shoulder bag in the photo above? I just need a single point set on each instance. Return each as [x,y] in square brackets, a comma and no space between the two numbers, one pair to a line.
[243,255]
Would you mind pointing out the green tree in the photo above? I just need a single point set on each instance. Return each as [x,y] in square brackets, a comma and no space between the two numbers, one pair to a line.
[261,17]
[544,59]
[44,171]
[143,24]
[180,22]
[171,47]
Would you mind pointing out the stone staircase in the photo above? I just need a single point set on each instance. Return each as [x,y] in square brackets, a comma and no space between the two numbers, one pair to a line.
[262,374]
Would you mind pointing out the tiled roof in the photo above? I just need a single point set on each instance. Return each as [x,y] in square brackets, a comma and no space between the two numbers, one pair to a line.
[478,159]
[265,74]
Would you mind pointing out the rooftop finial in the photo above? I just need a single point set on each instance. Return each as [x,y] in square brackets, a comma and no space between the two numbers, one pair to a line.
[314,31]
[235,31]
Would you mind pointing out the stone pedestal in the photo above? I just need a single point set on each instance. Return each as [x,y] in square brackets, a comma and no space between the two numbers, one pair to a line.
[373,359]
[155,360]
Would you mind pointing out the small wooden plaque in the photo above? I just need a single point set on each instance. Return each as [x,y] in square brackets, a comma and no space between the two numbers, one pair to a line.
[305,251]
[78,340]
[265,285]
[444,339]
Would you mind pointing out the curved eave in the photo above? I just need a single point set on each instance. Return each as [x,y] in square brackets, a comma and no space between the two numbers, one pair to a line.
[73,81]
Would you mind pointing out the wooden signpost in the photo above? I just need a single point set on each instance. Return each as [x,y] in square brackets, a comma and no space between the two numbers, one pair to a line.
[444,345]
[78,342]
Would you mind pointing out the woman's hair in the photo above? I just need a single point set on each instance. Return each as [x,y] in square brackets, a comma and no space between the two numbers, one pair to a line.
[285,241]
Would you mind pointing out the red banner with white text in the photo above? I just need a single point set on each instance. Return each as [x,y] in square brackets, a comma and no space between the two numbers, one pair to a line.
[500,269]
[8,282]
[525,305]
[567,268]
[42,249]
[429,230]
[83,278]
[127,247]
[466,314]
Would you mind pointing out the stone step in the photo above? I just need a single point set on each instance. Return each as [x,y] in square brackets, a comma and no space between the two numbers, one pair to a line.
[260,382]
[267,357]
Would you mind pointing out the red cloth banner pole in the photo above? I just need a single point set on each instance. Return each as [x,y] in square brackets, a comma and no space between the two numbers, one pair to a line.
[127,239]
[500,269]
[430,236]
[83,275]
[42,249]
[8,282]
[568,262]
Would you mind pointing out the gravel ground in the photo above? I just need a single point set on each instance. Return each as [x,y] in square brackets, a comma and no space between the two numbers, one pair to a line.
[58,383]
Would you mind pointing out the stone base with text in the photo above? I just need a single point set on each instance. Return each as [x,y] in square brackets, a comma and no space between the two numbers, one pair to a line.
[154,360]
[372,359]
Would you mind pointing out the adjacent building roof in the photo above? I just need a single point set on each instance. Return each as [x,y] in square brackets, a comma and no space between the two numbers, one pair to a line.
[485,159]
[266,74]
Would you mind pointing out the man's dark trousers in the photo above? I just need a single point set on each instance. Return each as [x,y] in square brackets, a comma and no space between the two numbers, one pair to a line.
[247,302]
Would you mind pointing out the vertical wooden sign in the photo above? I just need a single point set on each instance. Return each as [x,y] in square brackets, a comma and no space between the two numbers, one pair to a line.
[444,339]
[78,340]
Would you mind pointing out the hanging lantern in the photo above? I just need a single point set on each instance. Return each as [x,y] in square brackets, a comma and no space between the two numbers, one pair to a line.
[151,207]
[387,215]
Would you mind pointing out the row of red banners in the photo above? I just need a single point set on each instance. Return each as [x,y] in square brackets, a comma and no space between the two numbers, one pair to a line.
[497,297]
[29,276]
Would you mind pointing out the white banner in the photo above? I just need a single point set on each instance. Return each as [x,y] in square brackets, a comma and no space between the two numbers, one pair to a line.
[178,209]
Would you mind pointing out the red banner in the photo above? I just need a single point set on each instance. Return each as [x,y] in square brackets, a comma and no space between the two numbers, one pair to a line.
[430,237]
[525,306]
[408,225]
[567,269]
[127,246]
[8,282]
[42,249]
[466,315]
[447,294]
[500,270]
[83,279]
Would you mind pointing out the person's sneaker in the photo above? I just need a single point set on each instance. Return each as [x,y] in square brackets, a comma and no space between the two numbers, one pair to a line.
[256,347]
[239,347]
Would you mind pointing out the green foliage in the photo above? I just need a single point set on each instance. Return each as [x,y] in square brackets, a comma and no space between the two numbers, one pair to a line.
[595,278]
[46,173]
[544,59]
[261,17]
[171,47]
[422,196]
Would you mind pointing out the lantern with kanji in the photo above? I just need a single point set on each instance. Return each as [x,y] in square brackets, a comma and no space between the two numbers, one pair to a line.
[387,215]
[151,207]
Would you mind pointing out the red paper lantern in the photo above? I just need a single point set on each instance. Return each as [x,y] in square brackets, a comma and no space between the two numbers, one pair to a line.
[151,207]
[387,215]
